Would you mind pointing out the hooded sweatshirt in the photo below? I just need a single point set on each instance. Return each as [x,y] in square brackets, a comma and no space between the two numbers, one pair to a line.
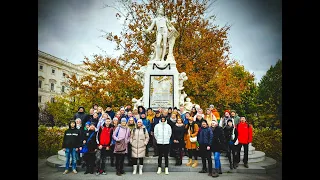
[71,138]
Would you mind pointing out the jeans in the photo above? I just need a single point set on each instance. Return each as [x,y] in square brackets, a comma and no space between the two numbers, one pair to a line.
[73,153]
[217,163]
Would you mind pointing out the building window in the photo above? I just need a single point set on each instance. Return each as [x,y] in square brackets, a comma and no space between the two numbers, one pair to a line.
[62,89]
[41,67]
[52,100]
[53,71]
[39,99]
[52,86]
[40,84]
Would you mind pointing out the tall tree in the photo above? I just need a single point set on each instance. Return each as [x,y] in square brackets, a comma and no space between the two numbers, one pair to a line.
[201,50]
[270,93]
[109,82]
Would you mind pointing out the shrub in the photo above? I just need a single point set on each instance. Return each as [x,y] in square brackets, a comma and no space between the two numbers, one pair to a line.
[49,140]
[268,141]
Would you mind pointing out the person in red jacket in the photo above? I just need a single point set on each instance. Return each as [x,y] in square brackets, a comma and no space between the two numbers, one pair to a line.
[244,138]
[104,138]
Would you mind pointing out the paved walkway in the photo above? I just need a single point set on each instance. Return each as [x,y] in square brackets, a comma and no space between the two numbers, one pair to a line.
[46,172]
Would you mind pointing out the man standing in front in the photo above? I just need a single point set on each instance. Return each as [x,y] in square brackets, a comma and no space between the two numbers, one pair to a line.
[244,138]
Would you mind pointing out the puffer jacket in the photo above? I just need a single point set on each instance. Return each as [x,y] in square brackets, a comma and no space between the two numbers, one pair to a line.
[139,140]
[162,132]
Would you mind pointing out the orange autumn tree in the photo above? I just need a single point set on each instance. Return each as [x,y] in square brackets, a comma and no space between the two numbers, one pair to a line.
[109,82]
[201,50]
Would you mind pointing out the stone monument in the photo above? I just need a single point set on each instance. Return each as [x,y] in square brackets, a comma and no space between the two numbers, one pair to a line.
[162,83]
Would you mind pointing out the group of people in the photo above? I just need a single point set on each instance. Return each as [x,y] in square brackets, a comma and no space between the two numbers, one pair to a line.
[93,137]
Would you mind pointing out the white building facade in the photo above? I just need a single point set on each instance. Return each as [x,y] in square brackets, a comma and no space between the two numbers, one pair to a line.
[52,80]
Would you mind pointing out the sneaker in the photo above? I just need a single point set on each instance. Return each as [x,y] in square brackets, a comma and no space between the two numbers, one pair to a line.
[65,172]
[97,173]
[246,165]
[166,170]
[104,173]
[74,171]
[159,170]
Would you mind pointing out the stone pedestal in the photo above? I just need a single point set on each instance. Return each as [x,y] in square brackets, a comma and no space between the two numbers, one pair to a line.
[161,82]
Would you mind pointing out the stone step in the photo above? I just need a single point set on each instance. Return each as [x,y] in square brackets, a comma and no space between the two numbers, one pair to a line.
[250,150]
[257,156]
[254,167]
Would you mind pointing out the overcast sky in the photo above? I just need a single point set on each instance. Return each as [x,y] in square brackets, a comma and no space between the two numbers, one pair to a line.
[70,30]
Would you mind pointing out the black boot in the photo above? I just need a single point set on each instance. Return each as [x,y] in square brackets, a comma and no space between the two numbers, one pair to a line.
[87,170]
[118,173]
[215,172]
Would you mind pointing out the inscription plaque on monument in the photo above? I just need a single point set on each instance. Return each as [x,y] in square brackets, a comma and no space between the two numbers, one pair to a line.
[161,91]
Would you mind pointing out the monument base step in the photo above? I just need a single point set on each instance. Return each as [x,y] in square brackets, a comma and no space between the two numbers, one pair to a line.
[257,156]
[254,167]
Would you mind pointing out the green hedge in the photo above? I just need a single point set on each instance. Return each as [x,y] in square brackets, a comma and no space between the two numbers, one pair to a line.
[268,141]
[49,140]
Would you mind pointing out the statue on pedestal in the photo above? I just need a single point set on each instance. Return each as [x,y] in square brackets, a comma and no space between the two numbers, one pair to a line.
[165,33]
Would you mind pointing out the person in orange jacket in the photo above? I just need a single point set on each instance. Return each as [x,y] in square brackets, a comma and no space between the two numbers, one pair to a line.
[244,138]
[215,112]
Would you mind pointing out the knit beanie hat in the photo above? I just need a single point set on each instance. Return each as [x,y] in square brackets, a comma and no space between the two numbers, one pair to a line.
[124,120]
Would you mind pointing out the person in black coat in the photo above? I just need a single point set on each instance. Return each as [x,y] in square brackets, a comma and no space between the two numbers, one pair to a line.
[231,135]
[218,145]
[70,144]
[89,157]
[178,140]
[205,136]
[82,115]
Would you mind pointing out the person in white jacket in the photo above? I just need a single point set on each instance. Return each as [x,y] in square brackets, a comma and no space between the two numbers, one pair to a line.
[162,133]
